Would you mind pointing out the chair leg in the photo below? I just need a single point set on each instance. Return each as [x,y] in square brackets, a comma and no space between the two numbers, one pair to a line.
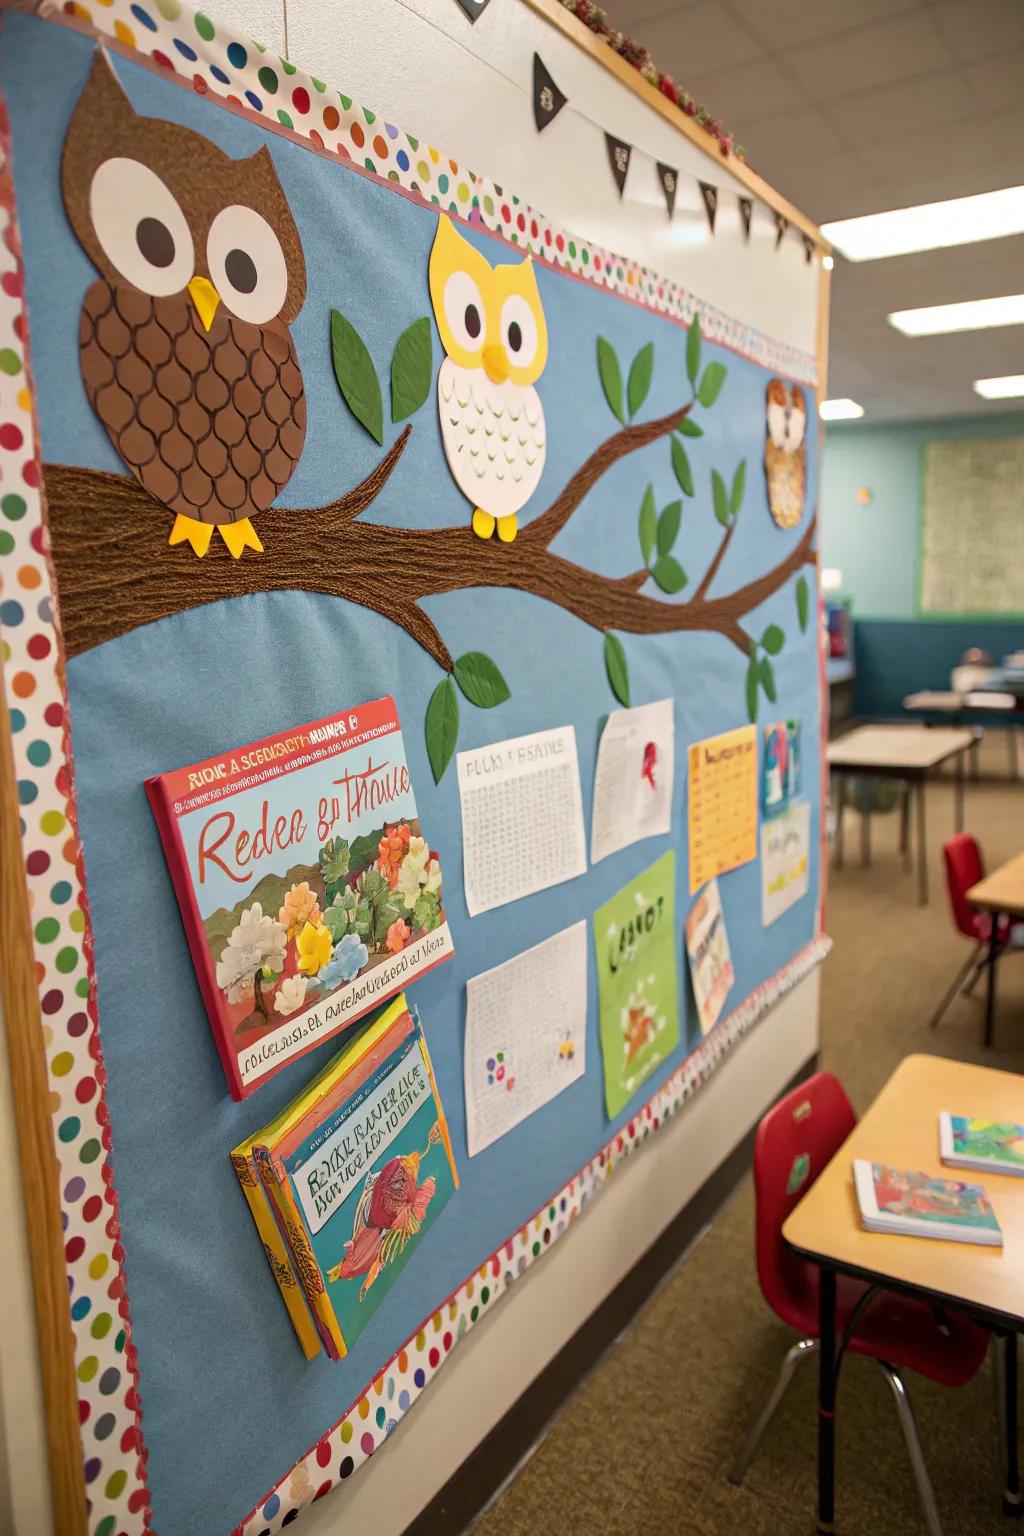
[804,1349]
[908,1424]
[999,1373]
[961,977]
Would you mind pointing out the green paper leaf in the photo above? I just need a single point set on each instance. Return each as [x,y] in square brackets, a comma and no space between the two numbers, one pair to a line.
[803,603]
[767,679]
[710,386]
[693,341]
[739,482]
[617,667]
[720,497]
[356,376]
[640,378]
[648,524]
[669,574]
[752,675]
[611,376]
[668,526]
[412,367]
[773,639]
[681,465]
[480,680]
[690,428]
[442,726]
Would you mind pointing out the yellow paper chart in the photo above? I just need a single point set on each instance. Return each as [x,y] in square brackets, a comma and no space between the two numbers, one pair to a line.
[722,804]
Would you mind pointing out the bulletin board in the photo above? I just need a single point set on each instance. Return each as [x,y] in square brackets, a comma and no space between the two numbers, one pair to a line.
[971,540]
[667,552]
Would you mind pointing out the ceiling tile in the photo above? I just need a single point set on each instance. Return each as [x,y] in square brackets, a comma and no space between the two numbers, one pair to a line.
[998,81]
[747,92]
[862,57]
[692,42]
[910,106]
[783,23]
[974,29]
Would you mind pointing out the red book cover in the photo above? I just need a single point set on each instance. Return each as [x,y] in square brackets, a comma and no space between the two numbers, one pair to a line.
[308,892]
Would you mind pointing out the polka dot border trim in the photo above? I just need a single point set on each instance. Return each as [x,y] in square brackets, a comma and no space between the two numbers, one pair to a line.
[219,62]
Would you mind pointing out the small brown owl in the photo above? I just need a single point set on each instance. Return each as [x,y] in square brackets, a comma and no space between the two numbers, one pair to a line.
[785,451]
[184,341]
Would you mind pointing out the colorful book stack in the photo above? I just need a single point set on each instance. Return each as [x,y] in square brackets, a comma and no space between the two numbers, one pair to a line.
[344,1183]
[911,1204]
[987,1146]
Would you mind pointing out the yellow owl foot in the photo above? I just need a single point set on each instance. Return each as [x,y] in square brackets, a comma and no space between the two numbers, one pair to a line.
[508,527]
[237,536]
[483,524]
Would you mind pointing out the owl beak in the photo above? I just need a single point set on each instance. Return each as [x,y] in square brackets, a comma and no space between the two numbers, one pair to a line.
[496,363]
[205,298]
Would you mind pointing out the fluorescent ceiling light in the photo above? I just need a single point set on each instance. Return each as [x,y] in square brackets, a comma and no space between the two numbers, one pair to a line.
[1007,388]
[831,578]
[974,315]
[828,262]
[929,227]
[840,410]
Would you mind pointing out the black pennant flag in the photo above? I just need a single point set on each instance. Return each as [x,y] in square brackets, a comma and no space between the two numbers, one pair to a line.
[618,158]
[746,214]
[473,8]
[781,225]
[710,196]
[548,100]
[808,247]
[669,178]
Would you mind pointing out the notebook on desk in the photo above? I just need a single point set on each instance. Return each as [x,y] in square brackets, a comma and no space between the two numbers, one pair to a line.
[911,1204]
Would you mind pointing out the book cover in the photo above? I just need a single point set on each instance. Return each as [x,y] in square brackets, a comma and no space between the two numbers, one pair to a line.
[276,1249]
[307,889]
[913,1204]
[968,1141]
[707,947]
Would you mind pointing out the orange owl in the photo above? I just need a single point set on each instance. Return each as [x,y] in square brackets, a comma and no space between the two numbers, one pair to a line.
[785,451]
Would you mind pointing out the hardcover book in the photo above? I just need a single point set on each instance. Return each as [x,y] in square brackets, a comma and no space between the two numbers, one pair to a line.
[914,1204]
[356,1170]
[308,892]
[988,1146]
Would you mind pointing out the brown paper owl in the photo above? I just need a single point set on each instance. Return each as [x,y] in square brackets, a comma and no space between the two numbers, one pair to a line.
[785,451]
[184,340]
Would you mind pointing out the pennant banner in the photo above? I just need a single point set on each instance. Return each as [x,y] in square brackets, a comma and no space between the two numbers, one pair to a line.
[669,178]
[473,8]
[746,214]
[548,100]
[808,247]
[781,225]
[710,196]
[619,153]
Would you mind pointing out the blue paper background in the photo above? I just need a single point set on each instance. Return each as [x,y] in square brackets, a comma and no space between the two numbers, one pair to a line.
[229,1402]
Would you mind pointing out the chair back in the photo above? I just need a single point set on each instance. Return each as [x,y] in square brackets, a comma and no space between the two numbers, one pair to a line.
[964,868]
[794,1142]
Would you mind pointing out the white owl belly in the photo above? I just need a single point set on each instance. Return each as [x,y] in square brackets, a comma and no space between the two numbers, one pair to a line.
[494,437]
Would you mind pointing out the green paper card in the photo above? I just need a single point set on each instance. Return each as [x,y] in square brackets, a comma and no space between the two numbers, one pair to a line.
[637,980]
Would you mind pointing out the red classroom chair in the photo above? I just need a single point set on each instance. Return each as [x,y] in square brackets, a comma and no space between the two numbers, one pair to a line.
[794,1142]
[964,868]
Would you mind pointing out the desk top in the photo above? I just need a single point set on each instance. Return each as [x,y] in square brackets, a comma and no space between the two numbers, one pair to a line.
[902,1129]
[897,746]
[1001,891]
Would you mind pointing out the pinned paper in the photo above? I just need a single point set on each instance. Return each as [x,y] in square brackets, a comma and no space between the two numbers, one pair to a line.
[526,1028]
[785,863]
[722,804]
[637,979]
[669,178]
[707,945]
[522,817]
[634,778]
[548,100]
[710,196]
[619,153]
[780,766]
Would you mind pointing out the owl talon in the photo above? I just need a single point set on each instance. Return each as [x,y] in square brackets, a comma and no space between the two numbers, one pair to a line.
[239,536]
[189,530]
[483,524]
[508,527]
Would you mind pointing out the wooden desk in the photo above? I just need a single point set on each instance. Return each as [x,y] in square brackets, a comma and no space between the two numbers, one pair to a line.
[902,1128]
[906,752]
[1001,894]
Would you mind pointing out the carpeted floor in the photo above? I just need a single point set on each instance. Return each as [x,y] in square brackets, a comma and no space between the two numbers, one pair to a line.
[644,1445]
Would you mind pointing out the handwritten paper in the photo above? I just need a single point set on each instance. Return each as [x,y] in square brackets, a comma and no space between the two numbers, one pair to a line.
[707,945]
[722,804]
[785,844]
[633,780]
[526,1028]
[637,980]
[522,817]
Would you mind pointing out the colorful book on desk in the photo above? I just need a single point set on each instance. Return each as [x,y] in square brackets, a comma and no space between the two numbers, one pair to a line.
[354,1172]
[910,1204]
[987,1146]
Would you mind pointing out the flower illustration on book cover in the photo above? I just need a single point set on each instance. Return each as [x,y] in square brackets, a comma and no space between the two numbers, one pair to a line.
[390,1210]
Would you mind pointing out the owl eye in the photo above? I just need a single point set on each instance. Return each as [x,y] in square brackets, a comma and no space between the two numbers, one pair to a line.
[140,226]
[464,310]
[519,331]
[247,265]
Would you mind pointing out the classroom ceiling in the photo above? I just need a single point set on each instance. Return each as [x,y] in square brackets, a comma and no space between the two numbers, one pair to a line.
[857,106]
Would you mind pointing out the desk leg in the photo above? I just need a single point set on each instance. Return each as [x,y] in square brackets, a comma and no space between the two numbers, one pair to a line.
[1012,1503]
[840,808]
[990,993]
[959,795]
[865,823]
[922,847]
[826,1401]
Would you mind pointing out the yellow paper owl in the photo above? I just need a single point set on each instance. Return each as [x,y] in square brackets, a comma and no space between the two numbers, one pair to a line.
[495,339]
